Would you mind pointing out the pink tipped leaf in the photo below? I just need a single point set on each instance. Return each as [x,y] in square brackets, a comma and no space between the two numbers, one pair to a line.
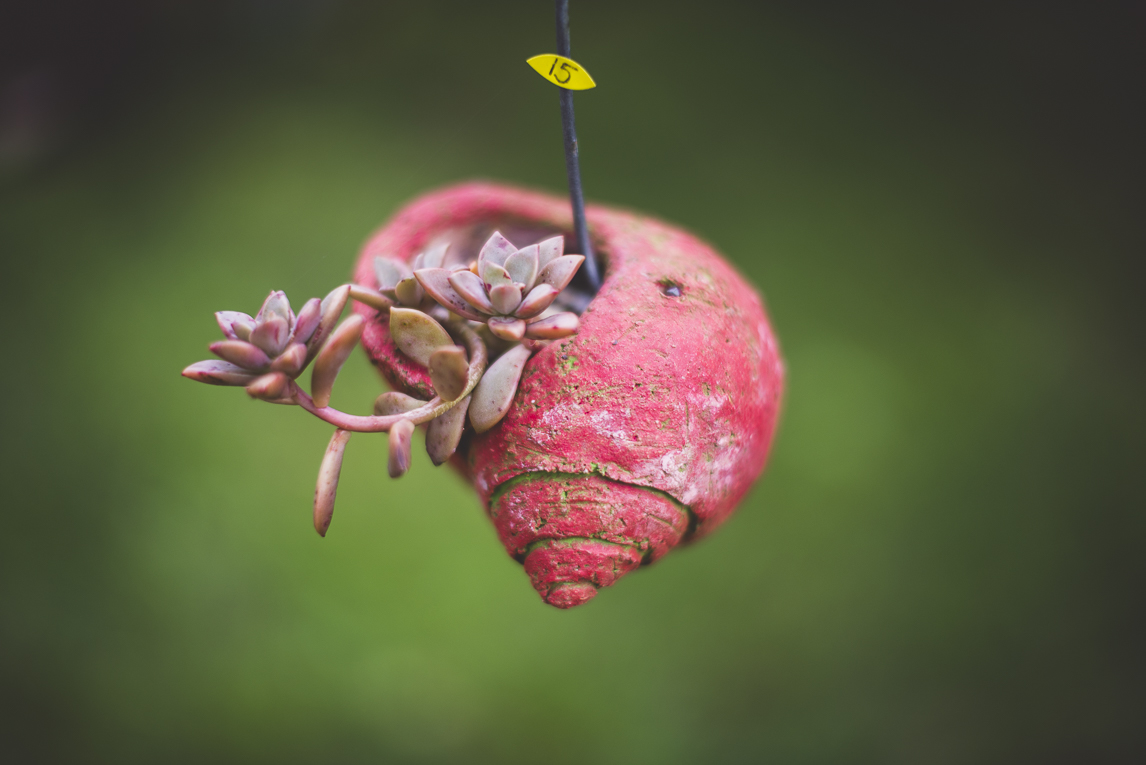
[470,287]
[327,487]
[271,334]
[276,304]
[550,249]
[436,282]
[433,257]
[496,250]
[243,354]
[523,265]
[449,371]
[538,299]
[560,271]
[445,432]
[235,324]
[307,321]
[506,328]
[494,394]
[390,271]
[372,298]
[416,334]
[269,387]
[409,292]
[330,310]
[215,372]
[492,275]
[553,327]
[333,355]
[292,361]
[505,298]
[401,438]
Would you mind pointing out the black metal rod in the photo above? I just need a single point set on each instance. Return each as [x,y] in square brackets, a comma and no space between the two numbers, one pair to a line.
[572,163]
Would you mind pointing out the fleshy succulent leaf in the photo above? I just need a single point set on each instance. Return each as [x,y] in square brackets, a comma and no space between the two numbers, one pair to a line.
[436,281]
[522,266]
[492,275]
[235,324]
[216,372]
[435,256]
[292,361]
[390,271]
[496,249]
[494,393]
[449,370]
[307,321]
[416,334]
[507,329]
[394,402]
[271,333]
[269,387]
[244,354]
[276,304]
[327,487]
[505,298]
[330,310]
[409,292]
[560,271]
[373,298]
[401,438]
[331,358]
[538,299]
[445,432]
[549,250]
[470,287]
[553,327]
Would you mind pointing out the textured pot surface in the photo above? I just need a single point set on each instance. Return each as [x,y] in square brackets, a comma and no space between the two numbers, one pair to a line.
[641,431]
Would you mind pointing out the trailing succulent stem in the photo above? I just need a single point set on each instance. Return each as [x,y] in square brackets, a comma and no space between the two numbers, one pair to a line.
[437,318]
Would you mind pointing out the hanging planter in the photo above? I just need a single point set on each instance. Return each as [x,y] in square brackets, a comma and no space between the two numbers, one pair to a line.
[600,427]
[607,405]
[641,431]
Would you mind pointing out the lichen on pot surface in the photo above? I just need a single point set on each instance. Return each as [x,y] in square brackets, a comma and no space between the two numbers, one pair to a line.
[641,431]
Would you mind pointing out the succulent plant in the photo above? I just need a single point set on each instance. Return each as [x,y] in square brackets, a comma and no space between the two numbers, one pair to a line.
[263,353]
[507,288]
[267,353]
[625,445]
[396,279]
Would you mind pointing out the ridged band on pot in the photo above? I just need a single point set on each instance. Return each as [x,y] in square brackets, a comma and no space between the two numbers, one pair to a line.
[663,404]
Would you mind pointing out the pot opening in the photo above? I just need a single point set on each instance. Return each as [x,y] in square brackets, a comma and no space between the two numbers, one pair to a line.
[466,242]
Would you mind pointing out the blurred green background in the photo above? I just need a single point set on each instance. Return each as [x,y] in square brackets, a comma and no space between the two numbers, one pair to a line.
[942,564]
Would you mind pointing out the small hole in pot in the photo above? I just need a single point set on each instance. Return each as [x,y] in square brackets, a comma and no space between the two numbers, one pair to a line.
[669,288]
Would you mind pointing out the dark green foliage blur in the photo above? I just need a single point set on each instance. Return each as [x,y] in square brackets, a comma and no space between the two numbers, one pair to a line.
[942,564]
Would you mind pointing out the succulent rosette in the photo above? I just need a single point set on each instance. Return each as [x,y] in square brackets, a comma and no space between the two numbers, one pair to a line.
[267,350]
[507,288]
[396,279]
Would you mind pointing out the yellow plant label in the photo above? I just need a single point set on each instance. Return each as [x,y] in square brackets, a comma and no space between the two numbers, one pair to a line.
[562,72]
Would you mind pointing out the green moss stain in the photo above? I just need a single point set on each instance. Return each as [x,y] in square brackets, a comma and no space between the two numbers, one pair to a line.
[567,364]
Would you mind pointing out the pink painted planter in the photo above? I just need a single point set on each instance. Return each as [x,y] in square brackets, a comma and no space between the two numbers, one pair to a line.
[640,432]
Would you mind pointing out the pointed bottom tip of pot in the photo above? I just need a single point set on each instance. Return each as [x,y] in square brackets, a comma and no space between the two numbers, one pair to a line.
[570,594]
[568,572]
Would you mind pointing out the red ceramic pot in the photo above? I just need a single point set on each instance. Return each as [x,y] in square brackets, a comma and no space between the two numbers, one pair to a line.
[640,432]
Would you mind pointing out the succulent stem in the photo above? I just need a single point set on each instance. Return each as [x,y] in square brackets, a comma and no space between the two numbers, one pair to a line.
[436,407]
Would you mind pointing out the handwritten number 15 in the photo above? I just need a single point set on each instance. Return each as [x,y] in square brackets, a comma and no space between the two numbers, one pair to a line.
[564,68]
[561,71]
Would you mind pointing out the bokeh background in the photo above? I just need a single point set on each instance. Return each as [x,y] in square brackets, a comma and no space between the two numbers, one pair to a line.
[943,563]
